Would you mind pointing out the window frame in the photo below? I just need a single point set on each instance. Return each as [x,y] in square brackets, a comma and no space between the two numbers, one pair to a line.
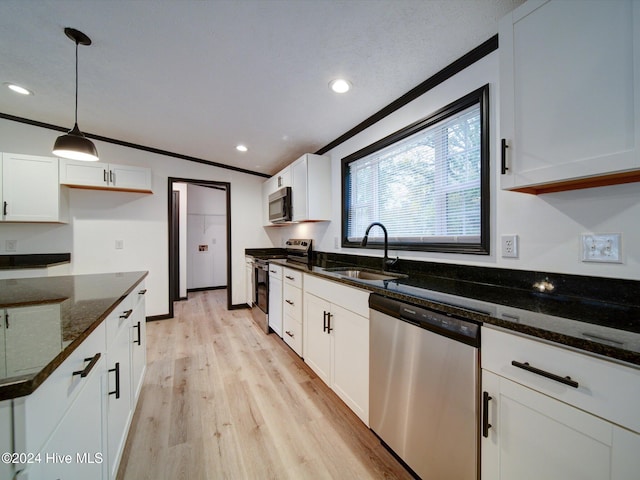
[477,97]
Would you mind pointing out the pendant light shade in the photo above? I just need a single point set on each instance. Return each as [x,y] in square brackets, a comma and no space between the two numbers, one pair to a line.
[74,144]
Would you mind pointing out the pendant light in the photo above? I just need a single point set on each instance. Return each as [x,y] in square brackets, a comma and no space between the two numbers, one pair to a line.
[75,145]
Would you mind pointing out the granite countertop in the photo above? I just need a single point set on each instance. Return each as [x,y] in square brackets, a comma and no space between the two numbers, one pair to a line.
[33,260]
[77,305]
[548,308]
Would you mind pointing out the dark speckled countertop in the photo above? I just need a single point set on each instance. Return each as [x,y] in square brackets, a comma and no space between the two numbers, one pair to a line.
[84,301]
[33,260]
[597,315]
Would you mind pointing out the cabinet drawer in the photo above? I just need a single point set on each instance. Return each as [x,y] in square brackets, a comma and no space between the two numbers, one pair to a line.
[292,301]
[351,298]
[606,389]
[293,333]
[275,271]
[117,319]
[38,414]
[292,277]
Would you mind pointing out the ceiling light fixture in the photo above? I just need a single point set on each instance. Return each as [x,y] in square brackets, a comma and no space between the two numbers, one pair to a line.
[340,85]
[75,145]
[18,89]
[241,148]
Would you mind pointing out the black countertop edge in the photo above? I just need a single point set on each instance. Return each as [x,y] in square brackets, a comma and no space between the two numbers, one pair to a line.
[33,260]
[25,385]
[606,351]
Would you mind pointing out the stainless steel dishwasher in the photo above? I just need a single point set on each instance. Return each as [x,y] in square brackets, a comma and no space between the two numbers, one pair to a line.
[424,388]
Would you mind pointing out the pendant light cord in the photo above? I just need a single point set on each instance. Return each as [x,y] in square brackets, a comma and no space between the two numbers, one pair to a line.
[76,113]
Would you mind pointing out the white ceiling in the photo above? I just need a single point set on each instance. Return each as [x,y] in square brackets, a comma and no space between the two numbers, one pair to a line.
[197,77]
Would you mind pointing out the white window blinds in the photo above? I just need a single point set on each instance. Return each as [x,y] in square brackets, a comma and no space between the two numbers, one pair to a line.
[425,188]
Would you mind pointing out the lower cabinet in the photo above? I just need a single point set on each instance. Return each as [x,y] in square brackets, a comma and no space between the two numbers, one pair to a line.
[336,340]
[556,428]
[77,421]
[275,298]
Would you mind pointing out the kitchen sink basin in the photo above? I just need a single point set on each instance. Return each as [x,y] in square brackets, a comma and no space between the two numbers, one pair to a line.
[363,274]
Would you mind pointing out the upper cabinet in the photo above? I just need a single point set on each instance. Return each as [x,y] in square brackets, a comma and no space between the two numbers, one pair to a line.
[311,188]
[570,95]
[30,190]
[310,180]
[105,176]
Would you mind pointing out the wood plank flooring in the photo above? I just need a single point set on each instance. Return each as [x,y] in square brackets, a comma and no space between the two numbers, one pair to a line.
[222,400]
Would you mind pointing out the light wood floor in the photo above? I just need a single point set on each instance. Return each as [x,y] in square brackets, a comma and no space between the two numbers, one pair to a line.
[222,400]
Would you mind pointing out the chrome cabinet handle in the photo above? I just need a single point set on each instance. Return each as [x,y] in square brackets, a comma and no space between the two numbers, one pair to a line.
[552,376]
[92,362]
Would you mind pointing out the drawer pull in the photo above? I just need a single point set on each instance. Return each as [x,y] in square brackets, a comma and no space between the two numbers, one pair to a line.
[289,277]
[138,341]
[126,314]
[329,327]
[289,302]
[551,376]
[116,369]
[485,414]
[503,160]
[92,362]
[324,321]
[142,292]
[289,333]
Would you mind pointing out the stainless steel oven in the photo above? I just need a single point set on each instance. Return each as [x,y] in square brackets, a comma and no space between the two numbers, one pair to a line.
[280,205]
[260,307]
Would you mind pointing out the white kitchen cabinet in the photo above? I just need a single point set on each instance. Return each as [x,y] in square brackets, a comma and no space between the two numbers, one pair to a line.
[33,336]
[311,188]
[105,176]
[539,427]
[336,340]
[248,281]
[275,298]
[292,309]
[30,190]
[118,395]
[76,439]
[570,95]
[138,328]
[6,437]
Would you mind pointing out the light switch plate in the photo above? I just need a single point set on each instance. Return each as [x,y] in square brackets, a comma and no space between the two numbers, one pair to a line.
[119,244]
[11,245]
[601,247]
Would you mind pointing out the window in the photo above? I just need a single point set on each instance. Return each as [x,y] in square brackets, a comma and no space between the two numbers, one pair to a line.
[427,183]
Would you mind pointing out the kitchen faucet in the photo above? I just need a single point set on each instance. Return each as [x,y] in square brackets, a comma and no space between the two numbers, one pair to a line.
[386,261]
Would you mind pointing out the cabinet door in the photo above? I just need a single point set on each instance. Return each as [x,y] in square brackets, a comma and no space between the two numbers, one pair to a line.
[78,437]
[275,304]
[248,282]
[299,189]
[570,96]
[533,436]
[118,397]
[351,360]
[84,174]
[138,346]
[30,188]
[317,336]
[126,177]
[33,337]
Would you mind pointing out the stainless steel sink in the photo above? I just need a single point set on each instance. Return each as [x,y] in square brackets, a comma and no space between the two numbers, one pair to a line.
[363,274]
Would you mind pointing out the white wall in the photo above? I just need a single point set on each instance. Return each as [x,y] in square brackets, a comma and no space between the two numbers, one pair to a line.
[207,226]
[549,226]
[99,218]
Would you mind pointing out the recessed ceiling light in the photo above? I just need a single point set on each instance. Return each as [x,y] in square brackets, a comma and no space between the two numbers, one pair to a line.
[340,85]
[18,89]
[241,148]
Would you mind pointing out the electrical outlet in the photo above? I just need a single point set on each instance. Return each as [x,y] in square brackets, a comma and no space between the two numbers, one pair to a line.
[509,246]
[11,245]
[119,244]
[601,247]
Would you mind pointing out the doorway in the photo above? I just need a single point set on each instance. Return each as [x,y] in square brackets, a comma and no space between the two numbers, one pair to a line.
[177,239]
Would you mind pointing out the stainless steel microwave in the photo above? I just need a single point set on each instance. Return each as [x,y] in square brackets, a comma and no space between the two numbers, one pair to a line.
[280,205]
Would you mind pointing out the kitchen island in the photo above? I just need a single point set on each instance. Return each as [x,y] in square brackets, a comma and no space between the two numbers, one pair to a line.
[71,370]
